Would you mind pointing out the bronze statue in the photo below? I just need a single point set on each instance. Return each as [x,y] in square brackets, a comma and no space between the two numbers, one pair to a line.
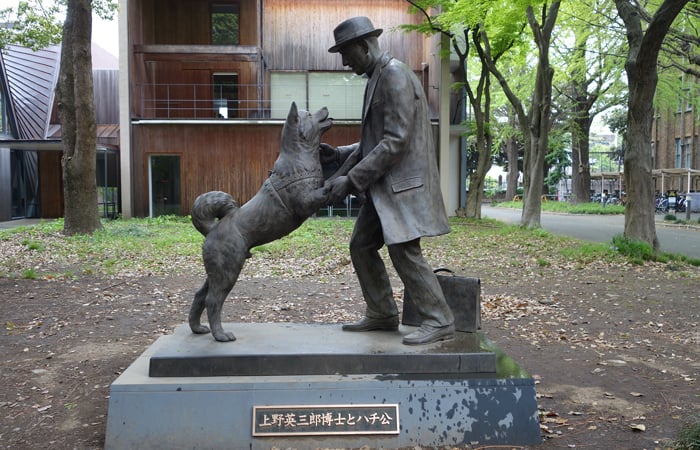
[292,193]
[394,165]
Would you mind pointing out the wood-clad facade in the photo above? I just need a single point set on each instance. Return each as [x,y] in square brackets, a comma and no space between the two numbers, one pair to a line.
[31,182]
[209,117]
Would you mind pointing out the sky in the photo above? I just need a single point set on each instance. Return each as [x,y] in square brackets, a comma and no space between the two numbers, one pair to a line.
[104,33]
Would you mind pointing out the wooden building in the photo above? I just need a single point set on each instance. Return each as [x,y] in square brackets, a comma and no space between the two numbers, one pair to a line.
[30,136]
[209,83]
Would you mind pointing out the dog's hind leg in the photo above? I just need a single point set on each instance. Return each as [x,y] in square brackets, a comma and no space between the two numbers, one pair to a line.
[217,293]
[197,308]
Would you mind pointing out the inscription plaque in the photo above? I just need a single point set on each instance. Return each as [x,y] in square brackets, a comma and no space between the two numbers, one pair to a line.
[299,420]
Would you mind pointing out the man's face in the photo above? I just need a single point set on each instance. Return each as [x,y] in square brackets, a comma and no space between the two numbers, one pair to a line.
[356,56]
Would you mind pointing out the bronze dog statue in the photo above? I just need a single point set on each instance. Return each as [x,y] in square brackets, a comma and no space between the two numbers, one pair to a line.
[291,194]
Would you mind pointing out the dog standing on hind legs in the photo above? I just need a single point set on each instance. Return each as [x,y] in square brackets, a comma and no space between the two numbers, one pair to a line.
[291,194]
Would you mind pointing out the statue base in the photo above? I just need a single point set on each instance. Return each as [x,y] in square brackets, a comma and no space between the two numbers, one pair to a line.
[314,386]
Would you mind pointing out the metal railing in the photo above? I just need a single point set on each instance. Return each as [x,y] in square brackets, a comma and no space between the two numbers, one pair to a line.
[202,101]
[242,101]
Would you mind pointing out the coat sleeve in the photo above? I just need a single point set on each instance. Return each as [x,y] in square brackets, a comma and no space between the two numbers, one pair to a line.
[346,150]
[390,119]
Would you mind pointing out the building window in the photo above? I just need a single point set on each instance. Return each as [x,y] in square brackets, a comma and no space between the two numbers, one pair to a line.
[285,88]
[224,24]
[688,154]
[341,92]
[4,125]
[653,154]
[225,95]
[679,153]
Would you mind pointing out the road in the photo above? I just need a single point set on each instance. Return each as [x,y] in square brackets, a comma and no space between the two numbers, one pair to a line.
[672,238]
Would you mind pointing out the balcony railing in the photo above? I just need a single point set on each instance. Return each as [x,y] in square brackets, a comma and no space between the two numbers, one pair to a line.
[203,101]
[242,101]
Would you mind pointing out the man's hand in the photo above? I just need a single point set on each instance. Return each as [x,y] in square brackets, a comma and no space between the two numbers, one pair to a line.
[328,154]
[338,188]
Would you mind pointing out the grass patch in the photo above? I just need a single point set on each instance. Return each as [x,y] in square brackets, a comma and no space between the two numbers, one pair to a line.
[636,251]
[29,274]
[152,245]
[171,245]
[33,245]
[639,252]
[587,252]
[688,437]
[311,239]
[569,208]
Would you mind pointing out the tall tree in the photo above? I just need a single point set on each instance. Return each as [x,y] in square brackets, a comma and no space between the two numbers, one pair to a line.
[451,17]
[645,36]
[36,26]
[76,111]
[480,100]
[591,79]
[512,150]
[535,123]
[681,48]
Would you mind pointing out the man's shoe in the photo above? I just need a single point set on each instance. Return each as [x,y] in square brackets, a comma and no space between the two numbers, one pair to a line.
[427,334]
[390,323]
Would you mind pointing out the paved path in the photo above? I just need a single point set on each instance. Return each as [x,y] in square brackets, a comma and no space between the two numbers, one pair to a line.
[673,238]
[19,223]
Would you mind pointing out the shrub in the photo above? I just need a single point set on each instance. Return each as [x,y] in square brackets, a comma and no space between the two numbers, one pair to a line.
[636,251]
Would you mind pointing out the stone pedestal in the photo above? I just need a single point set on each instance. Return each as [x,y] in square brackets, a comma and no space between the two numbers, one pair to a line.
[315,386]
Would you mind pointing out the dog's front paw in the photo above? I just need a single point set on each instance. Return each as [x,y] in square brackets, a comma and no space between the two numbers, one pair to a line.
[199,329]
[224,336]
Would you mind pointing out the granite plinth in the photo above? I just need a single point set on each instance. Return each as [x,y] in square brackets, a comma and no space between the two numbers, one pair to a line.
[279,349]
[219,412]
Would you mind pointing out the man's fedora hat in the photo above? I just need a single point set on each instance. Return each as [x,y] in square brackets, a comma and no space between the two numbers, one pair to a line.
[352,29]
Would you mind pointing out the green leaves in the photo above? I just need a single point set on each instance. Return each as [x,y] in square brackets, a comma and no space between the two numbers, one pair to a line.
[34,25]
[38,24]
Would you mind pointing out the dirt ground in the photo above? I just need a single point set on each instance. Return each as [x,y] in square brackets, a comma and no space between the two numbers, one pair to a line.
[614,349]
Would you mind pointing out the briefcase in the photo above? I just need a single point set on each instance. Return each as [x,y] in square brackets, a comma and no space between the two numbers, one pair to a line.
[463,295]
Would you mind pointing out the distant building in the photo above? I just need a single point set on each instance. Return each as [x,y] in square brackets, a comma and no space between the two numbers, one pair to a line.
[675,146]
[31,182]
[208,84]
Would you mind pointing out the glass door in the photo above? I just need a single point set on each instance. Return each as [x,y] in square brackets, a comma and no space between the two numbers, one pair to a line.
[164,174]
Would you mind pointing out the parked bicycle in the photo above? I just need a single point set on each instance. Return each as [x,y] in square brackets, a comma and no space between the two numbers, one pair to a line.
[661,204]
[666,203]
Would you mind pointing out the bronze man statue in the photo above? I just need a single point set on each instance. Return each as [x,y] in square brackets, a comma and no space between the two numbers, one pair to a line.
[394,165]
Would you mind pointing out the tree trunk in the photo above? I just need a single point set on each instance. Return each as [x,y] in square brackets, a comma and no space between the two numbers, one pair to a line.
[642,78]
[540,119]
[475,196]
[480,101]
[580,134]
[640,209]
[74,96]
[513,172]
[580,155]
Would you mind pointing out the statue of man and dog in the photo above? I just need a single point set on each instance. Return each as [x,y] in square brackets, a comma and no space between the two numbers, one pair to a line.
[393,166]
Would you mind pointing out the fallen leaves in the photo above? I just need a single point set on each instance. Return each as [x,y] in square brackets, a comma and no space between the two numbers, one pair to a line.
[626,332]
[638,427]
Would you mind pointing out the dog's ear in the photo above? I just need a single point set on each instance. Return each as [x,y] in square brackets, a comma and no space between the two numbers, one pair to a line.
[293,115]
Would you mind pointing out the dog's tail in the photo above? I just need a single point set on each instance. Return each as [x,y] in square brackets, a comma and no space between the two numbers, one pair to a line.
[209,207]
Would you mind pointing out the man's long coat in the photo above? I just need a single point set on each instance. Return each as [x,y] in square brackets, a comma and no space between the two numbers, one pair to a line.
[397,162]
